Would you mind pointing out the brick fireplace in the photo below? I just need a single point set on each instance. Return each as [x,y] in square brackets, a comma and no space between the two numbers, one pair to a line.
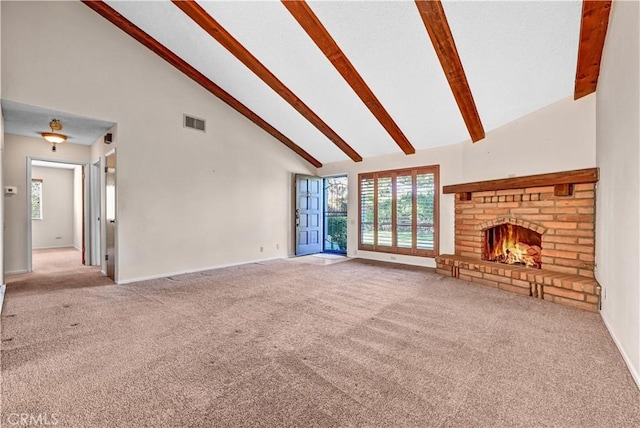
[530,235]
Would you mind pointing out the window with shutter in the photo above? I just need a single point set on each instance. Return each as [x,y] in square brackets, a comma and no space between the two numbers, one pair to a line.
[366,211]
[399,211]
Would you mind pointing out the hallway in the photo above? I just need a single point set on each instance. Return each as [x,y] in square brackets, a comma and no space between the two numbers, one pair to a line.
[54,269]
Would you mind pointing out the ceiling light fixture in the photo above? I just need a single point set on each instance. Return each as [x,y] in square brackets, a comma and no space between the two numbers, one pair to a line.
[53,137]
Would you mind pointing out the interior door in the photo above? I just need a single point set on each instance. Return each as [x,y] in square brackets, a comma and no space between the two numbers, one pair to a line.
[110,211]
[309,205]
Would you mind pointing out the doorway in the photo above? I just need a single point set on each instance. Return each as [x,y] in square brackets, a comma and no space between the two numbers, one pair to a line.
[321,215]
[110,211]
[56,211]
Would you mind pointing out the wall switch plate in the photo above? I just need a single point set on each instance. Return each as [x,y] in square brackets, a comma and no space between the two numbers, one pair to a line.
[10,190]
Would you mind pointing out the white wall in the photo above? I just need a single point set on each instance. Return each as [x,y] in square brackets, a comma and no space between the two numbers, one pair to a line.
[77,218]
[56,227]
[186,200]
[17,150]
[560,137]
[618,194]
[2,226]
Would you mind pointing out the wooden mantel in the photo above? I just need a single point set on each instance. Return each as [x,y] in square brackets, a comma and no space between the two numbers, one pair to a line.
[562,181]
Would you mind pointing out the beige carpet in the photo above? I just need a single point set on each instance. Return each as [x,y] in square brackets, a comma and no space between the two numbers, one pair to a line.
[56,269]
[285,343]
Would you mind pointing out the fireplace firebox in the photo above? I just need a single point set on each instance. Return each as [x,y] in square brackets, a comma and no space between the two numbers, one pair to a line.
[513,244]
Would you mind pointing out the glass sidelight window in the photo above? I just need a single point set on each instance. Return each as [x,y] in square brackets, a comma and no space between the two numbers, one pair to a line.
[335,214]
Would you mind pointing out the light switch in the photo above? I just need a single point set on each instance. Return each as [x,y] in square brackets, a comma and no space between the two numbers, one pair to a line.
[10,190]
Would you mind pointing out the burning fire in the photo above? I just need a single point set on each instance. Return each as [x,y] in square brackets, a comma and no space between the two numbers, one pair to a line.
[512,244]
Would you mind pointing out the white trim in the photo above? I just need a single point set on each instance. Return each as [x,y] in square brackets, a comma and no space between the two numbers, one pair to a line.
[184,272]
[634,374]
[16,272]
[95,213]
[29,214]
[3,288]
[86,207]
[53,247]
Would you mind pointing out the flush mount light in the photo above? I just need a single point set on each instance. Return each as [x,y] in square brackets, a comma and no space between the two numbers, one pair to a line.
[53,137]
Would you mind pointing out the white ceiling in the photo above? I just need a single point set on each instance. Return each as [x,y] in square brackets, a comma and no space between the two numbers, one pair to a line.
[31,121]
[519,56]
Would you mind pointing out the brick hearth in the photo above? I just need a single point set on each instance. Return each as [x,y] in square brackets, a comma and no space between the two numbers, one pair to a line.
[564,214]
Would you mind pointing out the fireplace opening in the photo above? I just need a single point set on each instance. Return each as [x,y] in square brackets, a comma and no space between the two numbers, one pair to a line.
[513,244]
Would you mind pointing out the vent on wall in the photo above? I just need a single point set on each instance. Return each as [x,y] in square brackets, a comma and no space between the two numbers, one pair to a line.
[194,123]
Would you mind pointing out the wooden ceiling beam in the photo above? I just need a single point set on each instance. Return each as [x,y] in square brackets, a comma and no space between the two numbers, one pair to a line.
[321,37]
[435,21]
[593,30]
[163,52]
[218,32]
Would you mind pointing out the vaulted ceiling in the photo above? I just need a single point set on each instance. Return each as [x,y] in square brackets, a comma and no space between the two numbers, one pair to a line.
[336,80]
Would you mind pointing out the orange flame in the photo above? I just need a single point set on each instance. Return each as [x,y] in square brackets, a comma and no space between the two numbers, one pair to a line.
[512,244]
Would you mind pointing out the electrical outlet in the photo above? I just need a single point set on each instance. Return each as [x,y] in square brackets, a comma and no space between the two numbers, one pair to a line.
[261,249]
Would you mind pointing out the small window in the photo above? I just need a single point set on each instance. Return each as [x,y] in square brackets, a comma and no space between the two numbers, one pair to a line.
[36,199]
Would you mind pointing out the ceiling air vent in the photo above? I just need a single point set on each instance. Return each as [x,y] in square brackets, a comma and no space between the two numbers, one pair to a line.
[194,123]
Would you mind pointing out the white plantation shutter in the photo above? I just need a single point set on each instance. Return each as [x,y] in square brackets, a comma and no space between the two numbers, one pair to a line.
[425,192]
[384,224]
[366,211]
[404,211]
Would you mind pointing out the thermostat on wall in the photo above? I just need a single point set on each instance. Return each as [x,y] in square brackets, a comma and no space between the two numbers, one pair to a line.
[10,190]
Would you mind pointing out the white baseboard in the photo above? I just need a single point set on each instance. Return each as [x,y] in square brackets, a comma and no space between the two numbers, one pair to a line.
[3,288]
[429,262]
[634,374]
[165,275]
[16,272]
[54,247]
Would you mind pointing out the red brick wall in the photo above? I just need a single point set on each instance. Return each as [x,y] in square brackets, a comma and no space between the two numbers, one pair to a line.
[567,224]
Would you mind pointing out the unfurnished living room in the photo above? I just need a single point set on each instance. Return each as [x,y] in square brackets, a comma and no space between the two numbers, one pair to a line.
[320,213]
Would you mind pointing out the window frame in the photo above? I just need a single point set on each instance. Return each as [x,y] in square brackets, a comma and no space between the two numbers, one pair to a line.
[393,174]
[37,180]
